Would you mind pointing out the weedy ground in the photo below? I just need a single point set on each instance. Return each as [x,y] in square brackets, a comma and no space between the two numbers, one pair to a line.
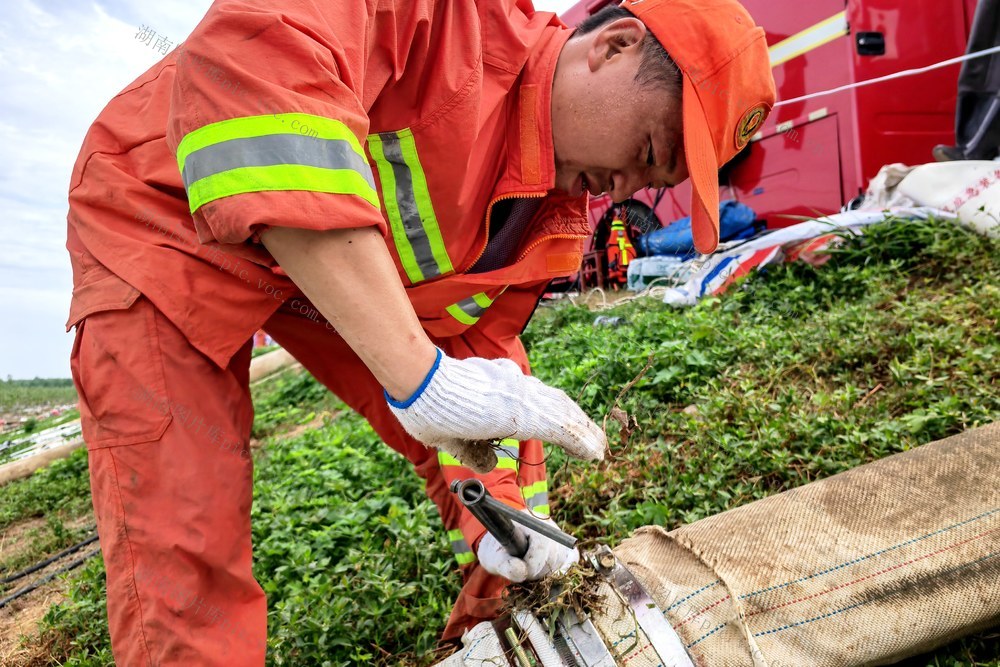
[796,375]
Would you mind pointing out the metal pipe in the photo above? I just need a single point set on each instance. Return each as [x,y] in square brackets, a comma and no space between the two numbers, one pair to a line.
[477,498]
[474,495]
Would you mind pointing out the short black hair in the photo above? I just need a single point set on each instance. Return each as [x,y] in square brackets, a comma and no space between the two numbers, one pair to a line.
[656,69]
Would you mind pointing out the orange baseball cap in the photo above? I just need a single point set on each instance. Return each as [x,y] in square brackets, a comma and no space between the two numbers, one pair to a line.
[728,90]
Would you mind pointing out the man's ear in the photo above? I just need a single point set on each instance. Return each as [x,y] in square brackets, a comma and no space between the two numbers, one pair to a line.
[616,38]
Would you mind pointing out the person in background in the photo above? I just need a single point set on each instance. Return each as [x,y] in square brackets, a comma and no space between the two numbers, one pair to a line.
[977,116]
[619,252]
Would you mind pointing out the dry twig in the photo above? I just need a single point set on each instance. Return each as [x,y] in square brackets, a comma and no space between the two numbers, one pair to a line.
[627,424]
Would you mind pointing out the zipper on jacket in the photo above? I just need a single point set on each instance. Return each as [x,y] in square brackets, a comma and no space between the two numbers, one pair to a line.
[544,239]
[489,212]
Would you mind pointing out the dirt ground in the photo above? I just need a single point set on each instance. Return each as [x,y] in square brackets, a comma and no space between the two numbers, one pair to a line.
[13,540]
[20,618]
[19,644]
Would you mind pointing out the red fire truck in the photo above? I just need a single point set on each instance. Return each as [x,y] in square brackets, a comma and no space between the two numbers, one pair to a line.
[813,156]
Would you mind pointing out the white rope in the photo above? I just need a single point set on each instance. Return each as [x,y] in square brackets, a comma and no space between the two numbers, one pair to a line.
[897,75]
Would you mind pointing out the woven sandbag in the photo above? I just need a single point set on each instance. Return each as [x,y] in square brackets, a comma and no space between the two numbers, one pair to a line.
[870,566]
[622,635]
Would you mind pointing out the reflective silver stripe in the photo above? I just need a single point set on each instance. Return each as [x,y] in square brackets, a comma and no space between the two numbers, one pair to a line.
[463,554]
[274,149]
[540,498]
[471,308]
[407,204]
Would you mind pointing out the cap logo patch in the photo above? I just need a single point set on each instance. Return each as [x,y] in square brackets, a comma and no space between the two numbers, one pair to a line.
[749,124]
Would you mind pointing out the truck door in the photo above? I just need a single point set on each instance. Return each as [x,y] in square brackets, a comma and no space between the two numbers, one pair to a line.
[795,164]
[901,120]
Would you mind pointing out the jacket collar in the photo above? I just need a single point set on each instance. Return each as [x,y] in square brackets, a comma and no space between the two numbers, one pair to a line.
[530,166]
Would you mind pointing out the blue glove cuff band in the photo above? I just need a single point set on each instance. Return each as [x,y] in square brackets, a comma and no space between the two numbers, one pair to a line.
[402,405]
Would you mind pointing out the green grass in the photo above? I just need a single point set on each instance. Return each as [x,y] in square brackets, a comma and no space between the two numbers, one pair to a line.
[62,488]
[349,550]
[59,494]
[290,400]
[19,394]
[794,376]
[777,376]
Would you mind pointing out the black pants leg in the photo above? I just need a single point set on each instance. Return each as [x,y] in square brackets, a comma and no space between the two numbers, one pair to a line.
[977,117]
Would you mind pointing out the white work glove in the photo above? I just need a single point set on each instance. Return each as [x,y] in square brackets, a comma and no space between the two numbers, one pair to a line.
[544,557]
[463,406]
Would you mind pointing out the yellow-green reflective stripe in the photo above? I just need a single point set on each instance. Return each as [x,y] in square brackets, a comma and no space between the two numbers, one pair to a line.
[423,198]
[388,179]
[536,496]
[537,500]
[259,126]
[412,219]
[469,310]
[503,462]
[509,448]
[482,300]
[460,546]
[456,311]
[279,177]
[268,153]
[532,489]
[463,553]
[541,509]
[273,149]
[446,459]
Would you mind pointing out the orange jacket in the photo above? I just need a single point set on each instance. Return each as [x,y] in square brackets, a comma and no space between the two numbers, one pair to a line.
[619,251]
[414,116]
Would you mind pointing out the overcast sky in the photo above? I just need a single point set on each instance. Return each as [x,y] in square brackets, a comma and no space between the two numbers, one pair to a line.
[60,63]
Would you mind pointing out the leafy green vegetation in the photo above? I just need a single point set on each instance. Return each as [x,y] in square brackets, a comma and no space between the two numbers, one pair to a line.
[42,515]
[16,394]
[793,376]
[61,488]
[289,400]
[349,550]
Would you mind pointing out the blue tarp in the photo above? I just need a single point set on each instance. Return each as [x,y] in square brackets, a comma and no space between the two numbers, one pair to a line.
[736,221]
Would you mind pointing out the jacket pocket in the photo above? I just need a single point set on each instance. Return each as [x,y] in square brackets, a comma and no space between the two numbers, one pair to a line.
[117,367]
[99,290]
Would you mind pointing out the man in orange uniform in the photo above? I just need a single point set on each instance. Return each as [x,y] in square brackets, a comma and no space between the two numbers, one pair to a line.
[620,253]
[386,189]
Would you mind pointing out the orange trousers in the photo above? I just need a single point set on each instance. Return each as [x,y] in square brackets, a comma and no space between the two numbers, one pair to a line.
[167,434]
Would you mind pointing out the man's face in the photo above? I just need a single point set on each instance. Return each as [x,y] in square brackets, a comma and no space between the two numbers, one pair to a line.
[611,134]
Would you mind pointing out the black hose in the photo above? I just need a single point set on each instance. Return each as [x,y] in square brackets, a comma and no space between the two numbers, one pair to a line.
[66,568]
[38,566]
